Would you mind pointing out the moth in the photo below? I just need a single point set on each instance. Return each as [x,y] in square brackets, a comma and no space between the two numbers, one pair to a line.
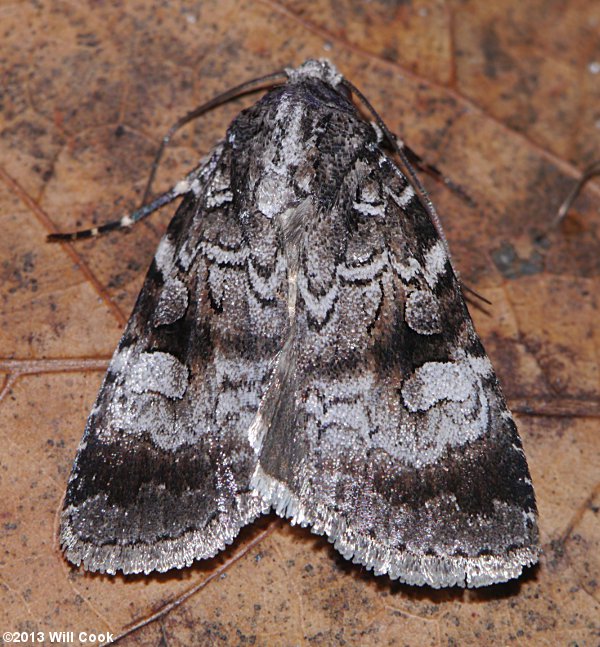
[301,344]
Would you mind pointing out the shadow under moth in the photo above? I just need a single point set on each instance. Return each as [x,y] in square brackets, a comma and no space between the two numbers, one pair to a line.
[301,344]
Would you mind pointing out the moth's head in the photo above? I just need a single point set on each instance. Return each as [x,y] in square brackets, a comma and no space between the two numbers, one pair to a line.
[316,69]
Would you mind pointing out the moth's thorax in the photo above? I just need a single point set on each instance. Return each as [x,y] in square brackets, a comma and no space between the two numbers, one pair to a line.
[317,69]
[315,97]
[295,142]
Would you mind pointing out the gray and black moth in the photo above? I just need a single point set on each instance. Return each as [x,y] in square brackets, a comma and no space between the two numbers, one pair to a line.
[301,344]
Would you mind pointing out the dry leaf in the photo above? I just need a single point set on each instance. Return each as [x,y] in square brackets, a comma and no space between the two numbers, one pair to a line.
[503,97]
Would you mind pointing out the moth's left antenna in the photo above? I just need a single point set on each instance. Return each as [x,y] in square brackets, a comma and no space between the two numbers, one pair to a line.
[239,90]
[147,208]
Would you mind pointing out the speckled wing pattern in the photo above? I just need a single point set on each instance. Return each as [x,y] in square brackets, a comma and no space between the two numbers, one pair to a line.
[162,474]
[301,343]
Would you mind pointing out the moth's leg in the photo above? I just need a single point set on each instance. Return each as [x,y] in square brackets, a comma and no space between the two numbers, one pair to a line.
[189,183]
[409,160]
[418,162]
[185,185]
[591,171]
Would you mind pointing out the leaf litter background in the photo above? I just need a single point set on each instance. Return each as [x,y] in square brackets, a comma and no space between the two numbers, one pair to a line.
[505,99]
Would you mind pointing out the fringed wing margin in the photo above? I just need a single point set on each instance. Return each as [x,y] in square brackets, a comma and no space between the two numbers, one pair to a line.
[385,427]
[162,474]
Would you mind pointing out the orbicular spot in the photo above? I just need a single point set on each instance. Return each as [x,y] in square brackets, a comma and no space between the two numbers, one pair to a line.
[172,303]
[422,312]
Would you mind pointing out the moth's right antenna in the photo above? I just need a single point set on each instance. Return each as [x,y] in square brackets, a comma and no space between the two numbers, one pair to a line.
[412,177]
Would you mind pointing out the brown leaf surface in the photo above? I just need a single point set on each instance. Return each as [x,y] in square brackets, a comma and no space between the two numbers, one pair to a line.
[503,97]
